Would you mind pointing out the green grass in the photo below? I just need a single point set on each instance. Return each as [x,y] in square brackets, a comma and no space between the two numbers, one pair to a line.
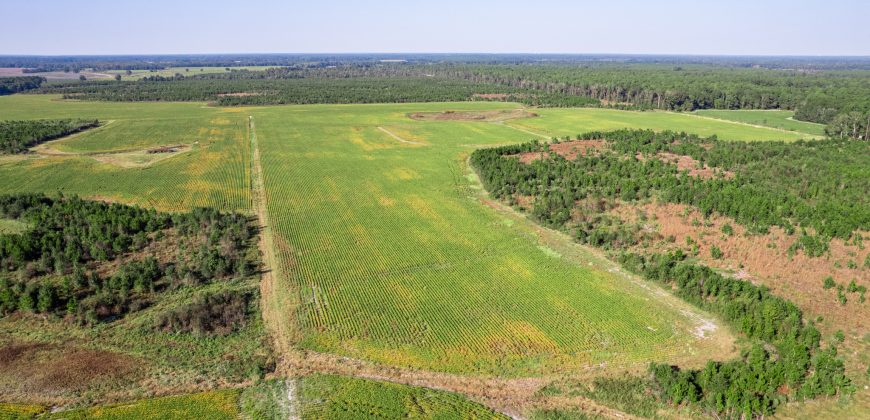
[10,411]
[570,122]
[214,173]
[12,226]
[207,405]
[777,119]
[336,397]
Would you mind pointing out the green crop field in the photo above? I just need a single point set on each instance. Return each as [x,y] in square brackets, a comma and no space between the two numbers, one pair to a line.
[570,122]
[382,237]
[337,397]
[214,171]
[394,259]
[207,405]
[777,119]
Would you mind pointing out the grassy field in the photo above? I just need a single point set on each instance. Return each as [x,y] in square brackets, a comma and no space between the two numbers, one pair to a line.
[214,172]
[337,397]
[570,122]
[776,119]
[12,226]
[187,71]
[207,405]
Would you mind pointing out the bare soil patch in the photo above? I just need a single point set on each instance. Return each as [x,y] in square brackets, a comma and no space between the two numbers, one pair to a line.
[569,150]
[690,164]
[486,116]
[52,369]
[764,259]
[240,94]
[497,96]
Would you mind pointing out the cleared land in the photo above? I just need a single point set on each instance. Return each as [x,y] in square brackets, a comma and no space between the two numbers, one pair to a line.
[781,119]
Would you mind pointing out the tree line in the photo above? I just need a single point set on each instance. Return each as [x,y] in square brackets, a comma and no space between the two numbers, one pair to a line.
[78,260]
[18,136]
[817,187]
[10,85]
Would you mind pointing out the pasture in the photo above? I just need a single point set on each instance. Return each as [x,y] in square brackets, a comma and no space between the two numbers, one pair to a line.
[387,248]
[781,119]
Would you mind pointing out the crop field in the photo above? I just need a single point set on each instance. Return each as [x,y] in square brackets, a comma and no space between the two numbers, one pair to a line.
[337,397]
[382,236]
[774,118]
[213,171]
[207,405]
[570,122]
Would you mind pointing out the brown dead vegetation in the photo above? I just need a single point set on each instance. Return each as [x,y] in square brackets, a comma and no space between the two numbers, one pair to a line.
[569,150]
[53,369]
[240,94]
[764,259]
[484,116]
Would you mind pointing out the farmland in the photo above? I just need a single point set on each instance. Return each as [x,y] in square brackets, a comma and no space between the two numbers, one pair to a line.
[387,248]
[769,118]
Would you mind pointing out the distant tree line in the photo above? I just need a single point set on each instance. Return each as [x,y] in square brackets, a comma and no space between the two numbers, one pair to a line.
[58,266]
[18,136]
[10,85]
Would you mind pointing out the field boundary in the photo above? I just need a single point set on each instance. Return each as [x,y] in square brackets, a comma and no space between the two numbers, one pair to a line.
[782,130]
[271,302]
[397,138]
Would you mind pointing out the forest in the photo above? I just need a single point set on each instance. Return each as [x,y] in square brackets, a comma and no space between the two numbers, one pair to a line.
[10,85]
[83,260]
[19,136]
[798,186]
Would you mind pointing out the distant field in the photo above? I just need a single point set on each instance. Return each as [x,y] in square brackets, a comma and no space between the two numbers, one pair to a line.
[187,71]
[213,172]
[775,119]
[570,122]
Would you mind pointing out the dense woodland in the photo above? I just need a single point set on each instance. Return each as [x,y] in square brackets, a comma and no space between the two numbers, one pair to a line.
[10,85]
[19,136]
[816,190]
[840,98]
[95,262]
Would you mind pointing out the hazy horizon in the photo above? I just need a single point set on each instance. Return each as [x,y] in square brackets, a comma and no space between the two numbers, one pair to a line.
[813,28]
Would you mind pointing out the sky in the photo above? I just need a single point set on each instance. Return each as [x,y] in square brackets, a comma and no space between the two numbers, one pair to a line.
[707,27]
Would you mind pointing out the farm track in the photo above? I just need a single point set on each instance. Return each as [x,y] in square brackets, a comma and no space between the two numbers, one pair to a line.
[747,124]
[399,139]
[522,129]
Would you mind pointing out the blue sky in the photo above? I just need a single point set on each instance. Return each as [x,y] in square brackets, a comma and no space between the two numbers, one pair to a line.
[734,27]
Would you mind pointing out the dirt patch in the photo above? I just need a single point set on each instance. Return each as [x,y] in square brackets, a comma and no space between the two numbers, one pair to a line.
[764,259]
[486,116]
[688,163]
[240,94]
[569,150]
[51,369]
[491,96]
